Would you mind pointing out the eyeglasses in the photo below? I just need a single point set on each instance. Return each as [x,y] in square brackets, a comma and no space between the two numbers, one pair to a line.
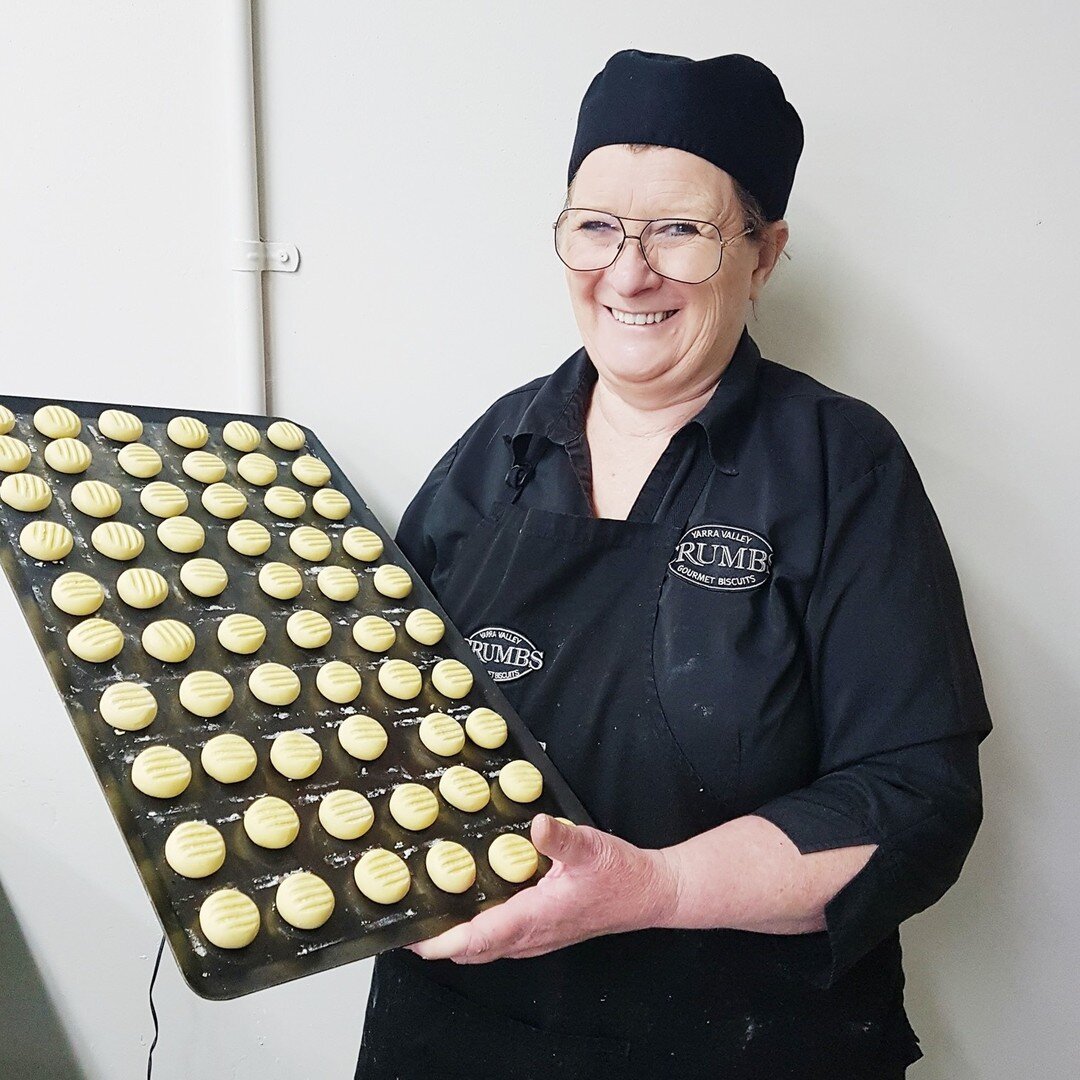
[681,249]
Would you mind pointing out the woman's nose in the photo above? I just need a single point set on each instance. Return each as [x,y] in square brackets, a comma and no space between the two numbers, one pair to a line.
[630,272]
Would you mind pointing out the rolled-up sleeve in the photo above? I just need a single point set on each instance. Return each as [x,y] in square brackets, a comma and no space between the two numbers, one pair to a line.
[899,707]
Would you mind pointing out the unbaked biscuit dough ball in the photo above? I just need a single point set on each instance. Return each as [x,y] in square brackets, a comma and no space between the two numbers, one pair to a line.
[142,588]
[241,435]
[161,772]
[57,422]
[304,900]
[311,471]
[400,679]
[7,419]
[248,537]
[25,492]
[271,823]
[286,435]
[169,640]
[204,577]
[521,781]
[486,728]
[338,682]
[68,456]
[413,806]
[362,544]
[392,581]
[513,857]
[362,737]
[452,678]
[295,755]
[464,788]
[117,540]
[229,919]
[204,467]
[46,541]
[77,594]
[284,502]
[205,693]
[425,626]
[162,499]
[257,469]
[281,581]
[331,504]
[224,501]
[308,629]
[374,633]
[241,634]
[345,814]
[187,431]
[441,734]
[120,426]
[181,534]
[228,758]
[139,460]
[128,706]
[338,583]
[95,498]
[309,543]
[274,684]
[450,866]
[14,454]
[382,876]
[195,849]
[96,640]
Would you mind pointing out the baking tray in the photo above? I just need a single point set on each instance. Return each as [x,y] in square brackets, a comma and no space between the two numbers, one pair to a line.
[358,927]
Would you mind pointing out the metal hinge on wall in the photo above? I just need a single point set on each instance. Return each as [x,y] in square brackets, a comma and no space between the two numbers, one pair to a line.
[265,255]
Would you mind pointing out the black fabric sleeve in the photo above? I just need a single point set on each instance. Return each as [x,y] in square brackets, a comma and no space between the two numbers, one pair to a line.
[900,710]
[414,533]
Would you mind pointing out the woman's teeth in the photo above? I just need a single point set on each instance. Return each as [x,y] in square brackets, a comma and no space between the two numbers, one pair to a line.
[641,318]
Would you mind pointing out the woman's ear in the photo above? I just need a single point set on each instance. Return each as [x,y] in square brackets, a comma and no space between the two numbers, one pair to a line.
[771,245]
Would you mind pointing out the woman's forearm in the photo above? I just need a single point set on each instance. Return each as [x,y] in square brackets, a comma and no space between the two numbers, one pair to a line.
[747,875]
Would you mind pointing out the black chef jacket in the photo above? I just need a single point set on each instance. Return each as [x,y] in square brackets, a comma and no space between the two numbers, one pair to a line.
[811,650]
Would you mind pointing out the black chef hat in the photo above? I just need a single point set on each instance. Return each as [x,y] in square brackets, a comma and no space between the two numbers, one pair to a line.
[729,110]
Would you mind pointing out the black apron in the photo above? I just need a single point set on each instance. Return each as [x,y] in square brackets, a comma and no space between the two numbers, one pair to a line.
[652,1003]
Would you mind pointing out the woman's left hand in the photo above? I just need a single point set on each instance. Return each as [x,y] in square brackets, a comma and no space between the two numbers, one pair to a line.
[599,884]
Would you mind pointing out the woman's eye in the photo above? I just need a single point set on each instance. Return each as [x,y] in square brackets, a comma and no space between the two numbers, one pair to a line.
[595,225]
[680,228]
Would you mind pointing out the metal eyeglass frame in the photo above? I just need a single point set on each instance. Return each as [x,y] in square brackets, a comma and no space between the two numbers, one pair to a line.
[629,236]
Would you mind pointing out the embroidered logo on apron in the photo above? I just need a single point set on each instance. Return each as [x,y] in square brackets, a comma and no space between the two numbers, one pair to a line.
[506,654]
[722,557]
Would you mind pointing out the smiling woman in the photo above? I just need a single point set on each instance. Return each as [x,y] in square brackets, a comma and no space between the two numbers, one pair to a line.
[747,650]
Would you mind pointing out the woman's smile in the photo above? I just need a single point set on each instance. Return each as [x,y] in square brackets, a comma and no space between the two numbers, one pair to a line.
[640,318]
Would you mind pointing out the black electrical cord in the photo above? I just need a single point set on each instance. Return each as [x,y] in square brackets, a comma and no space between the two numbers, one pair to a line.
[153,1011]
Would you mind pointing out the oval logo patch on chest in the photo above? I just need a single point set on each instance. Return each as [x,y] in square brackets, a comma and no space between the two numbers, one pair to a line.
[506,654]
[723,557]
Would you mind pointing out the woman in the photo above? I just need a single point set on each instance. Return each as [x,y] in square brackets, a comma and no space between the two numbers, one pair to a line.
[747,650]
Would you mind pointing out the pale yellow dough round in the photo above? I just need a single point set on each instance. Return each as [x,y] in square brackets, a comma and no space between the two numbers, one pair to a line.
[338,682]
[286,435]
[464,788]
[413,806]
[229,758]
[57,422]
[120,426]
[425,626]
[441,734]
[486,728]
[308,629]
[392,581]
[241,634]
[248,537]
[77,594]
[452,678]
[204,577]
[241,435]
[139,460]
[7,419]
[96,640]
[450,866]
[68,456]
[331,504]
[128,706]
[169,640]
[14,454]
[224,501]
[229,919]
[281,581]
[338,583]
[162,499]
[274,684]
[513,857]
[46,541]
[400,679]
[204,467]
[284,502]
[161,772]
[374,633]
[345,814]
[304,900]
[311,471]
[183,535]
[362,737]
[187,431]
[26,492]
[521,781]
[116,540]
[362,544]
[295,755]
[257,469]
[382,876]
[205,693]
[195,849]
[95,498]
[309,543]
[142,588]
[271,822]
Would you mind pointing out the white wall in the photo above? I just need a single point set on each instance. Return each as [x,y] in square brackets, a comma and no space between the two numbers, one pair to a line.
[932,274]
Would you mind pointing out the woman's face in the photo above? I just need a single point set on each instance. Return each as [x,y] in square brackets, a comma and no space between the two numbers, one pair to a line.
[685,353]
